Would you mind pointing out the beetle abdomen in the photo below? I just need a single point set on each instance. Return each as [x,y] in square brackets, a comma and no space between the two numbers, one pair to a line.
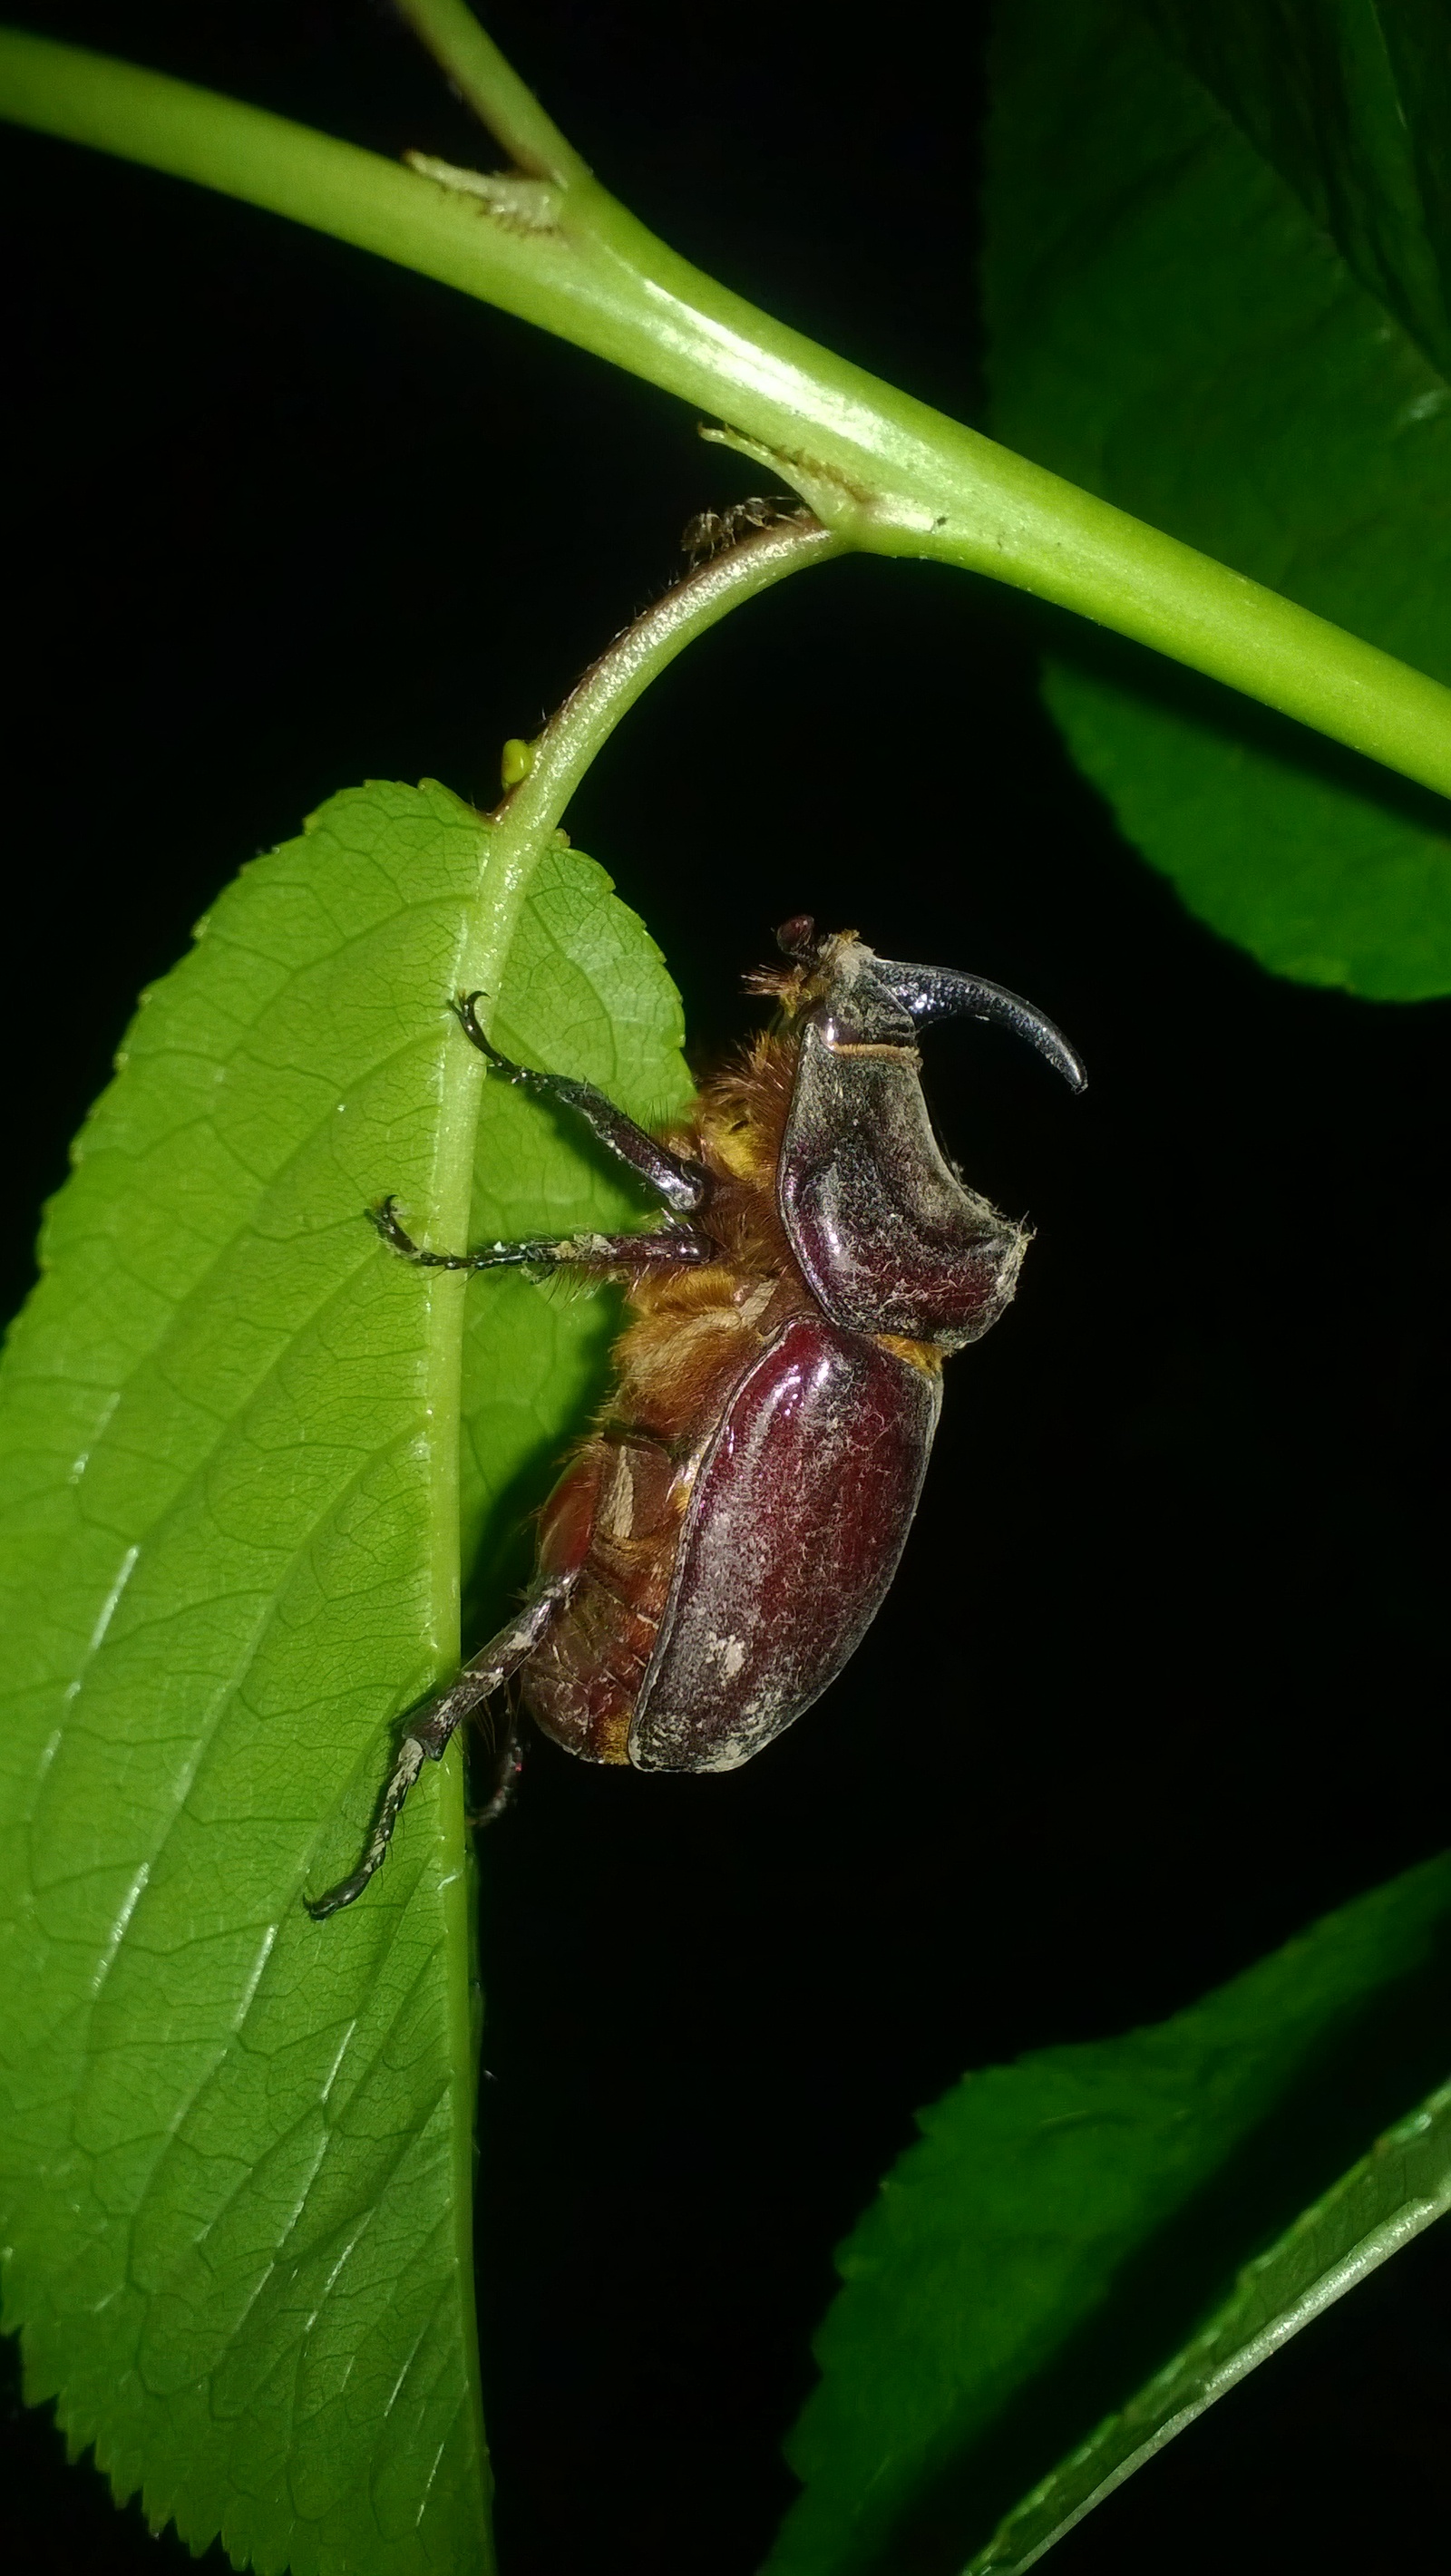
[797,1518]
[616,1515]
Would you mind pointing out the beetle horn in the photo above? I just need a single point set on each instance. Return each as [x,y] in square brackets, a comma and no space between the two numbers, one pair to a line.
[930,993]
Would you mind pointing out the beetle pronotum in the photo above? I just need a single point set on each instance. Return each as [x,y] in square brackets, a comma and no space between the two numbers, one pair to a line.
[716,1548]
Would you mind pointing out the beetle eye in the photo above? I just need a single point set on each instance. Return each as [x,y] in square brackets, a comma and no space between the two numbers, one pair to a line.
[797,938]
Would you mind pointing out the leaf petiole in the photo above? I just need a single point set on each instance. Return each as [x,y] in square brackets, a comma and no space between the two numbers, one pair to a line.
[493,89]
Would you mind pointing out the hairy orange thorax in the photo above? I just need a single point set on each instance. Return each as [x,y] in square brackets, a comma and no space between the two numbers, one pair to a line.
[696,1328]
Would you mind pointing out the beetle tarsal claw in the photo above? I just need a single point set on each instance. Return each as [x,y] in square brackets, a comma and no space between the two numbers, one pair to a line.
[405,1771]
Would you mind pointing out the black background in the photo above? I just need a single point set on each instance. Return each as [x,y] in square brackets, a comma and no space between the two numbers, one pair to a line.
[1162,1677]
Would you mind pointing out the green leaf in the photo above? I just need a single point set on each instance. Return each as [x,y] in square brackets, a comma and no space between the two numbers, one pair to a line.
[1351,102]
[1120,2231]
[1384,2201]
[235,2144]
[240,1447]
[1171,326]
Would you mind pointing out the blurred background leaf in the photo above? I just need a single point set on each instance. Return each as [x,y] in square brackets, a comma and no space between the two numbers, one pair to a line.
[1171,324]
[1062,2246]
[1351,103]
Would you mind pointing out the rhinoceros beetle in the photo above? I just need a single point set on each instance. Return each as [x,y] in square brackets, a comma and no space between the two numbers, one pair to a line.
[717,1546]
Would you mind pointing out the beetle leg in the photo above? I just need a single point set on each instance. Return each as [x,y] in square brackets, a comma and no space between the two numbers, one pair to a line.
[599,1252]
[508,1763]
[680,1184]
[428,1734]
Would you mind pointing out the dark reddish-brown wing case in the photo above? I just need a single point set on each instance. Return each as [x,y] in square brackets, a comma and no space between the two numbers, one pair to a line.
[800,1512]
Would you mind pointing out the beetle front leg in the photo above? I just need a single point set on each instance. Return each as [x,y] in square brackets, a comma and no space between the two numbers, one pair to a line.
[428,1735]
[680,1184]
[605,1253]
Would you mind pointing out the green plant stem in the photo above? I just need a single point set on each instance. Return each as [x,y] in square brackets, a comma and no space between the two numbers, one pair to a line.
[885,471]
[493,89]
[524,820]
[579,729]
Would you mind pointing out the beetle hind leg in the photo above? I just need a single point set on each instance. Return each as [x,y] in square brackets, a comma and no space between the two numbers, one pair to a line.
[427,1736]
[508,1764]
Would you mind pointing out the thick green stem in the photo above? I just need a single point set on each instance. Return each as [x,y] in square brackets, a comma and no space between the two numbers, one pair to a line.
[885,471]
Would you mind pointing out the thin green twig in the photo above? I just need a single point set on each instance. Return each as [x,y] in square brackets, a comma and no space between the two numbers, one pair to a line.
[493,90]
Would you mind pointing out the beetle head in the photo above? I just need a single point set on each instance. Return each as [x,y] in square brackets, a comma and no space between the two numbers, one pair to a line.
[859,999]
[888,1236]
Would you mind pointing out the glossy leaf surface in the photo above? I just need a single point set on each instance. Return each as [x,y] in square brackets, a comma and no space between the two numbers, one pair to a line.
[235,2144]
[1171,326]
[1088,2247]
